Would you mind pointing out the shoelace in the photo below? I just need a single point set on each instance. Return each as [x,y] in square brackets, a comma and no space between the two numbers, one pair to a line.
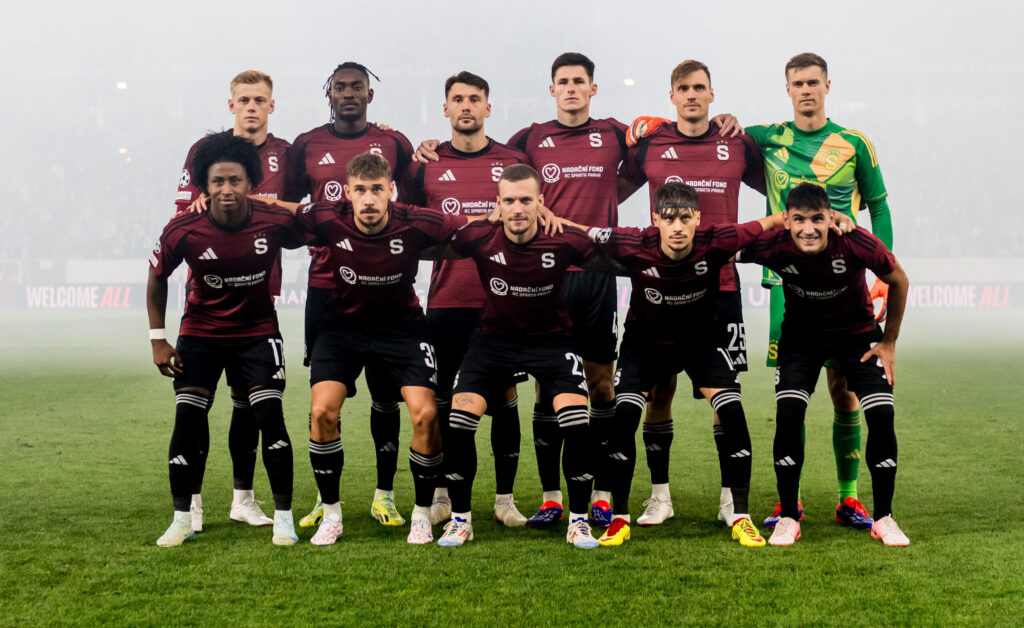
[748,528]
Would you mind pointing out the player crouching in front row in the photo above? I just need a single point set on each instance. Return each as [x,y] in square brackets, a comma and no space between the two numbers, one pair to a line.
[829,316]
[229,323]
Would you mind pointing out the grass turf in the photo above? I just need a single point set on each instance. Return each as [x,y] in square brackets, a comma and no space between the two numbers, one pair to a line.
[86,420]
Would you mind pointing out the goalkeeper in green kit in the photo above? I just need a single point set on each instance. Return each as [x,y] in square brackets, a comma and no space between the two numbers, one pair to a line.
[813,149]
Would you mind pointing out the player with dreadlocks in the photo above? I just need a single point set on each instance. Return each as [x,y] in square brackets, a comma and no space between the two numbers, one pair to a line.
[316,167]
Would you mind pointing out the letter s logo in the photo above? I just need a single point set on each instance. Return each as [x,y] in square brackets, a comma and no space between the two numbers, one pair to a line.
[595,140]
[839,266]
[261,245]
[396,246]
[700,267]
[723,152]
[272,163]
[547,260]
[496,172]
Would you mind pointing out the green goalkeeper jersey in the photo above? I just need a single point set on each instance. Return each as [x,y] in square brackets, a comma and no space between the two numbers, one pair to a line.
[841,160]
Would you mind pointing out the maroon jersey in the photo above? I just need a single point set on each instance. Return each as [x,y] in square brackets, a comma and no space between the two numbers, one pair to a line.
[523,282]
[273,159]
[711,164]
[375,273]
[579,167]
[229,271]
[824,292]
[463,184]
[675,300]
[317,163]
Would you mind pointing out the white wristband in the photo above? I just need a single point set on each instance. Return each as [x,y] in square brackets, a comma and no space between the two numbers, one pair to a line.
[158,334]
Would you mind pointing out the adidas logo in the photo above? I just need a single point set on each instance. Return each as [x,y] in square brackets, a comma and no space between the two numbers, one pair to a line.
[651,272]
[208,254]
[743,453]
[782,154]
[785,462]
[586,477]
[323,472]
[670,153]
[389,447]
[888,463]
[279,374]
[278,445]
[500,258]
[547,143]
[326,160]
[791,269]
[344,244]
[618,456]
[447,176]
[178,460]
[653,447]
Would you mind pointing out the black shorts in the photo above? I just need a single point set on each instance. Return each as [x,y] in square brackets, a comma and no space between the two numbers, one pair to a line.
[316,309]
[644,363]
[404,355]
[732,333]
[255,361]
[591,301]
[801,359]
[450,329]
[492,361]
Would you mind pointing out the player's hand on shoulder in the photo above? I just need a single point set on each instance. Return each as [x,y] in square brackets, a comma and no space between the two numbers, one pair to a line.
[641,127]
[426,152]
[551,223]
[166,358]
[199,205]
[841,223]
[728,125]
[383,127]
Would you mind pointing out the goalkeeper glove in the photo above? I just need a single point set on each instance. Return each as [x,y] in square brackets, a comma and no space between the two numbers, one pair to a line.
[642,127]
[880,299]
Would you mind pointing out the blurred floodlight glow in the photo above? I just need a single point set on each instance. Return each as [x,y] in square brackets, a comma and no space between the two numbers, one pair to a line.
[629,82]
[122,85]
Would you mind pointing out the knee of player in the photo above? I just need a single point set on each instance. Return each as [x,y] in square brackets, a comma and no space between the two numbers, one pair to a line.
[601,389]
[323,416]
[423,417]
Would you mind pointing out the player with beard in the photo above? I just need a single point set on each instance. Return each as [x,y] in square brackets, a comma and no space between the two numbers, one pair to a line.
[829,317]
[229,323]
[462,182]
[317,168]
[251,103]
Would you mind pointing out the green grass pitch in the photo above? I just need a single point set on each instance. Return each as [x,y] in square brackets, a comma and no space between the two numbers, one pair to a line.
[85,421]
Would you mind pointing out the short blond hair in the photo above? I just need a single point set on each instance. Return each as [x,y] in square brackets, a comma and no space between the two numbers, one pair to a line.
[252,77]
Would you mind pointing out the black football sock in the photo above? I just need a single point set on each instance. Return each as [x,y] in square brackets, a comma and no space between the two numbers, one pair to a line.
[243,443]
[881,453]
[576,457]
[327,460]
[277,447]
[460,470]
[602,417]
[444,407]
[385,425]
[424,469]
[658,445]
[505,438]
[723,467]
[621,454]
[735,446]
[186,455]
[547,442]
[788,449]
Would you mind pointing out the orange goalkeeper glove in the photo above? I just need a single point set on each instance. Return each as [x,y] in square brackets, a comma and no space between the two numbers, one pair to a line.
[880,299]
[642,127]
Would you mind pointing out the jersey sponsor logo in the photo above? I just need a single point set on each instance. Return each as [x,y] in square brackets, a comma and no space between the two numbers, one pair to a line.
[499,258]
[348,275]
[817,295]
[447,176]
[653,296]
[208,254]
[184,179]
[547,143]
[451,205]
[670,153]
[332,190]
[326,160]
[344,244]
[551,172]
[781,179]
[213,281]
[651,272]
[674,179]
[498,286]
